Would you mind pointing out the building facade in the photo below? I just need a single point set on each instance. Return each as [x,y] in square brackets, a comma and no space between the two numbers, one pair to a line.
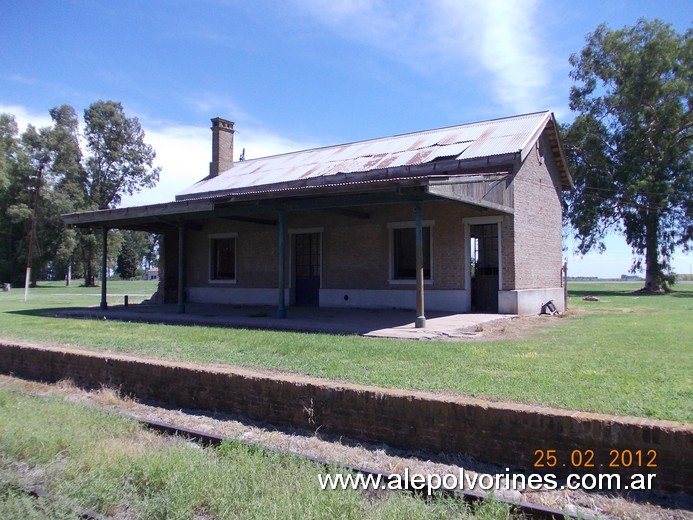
[460,219]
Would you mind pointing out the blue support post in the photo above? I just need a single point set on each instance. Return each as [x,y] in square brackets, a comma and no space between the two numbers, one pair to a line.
[420,322]
[281,305]
[104,269]
[181,269]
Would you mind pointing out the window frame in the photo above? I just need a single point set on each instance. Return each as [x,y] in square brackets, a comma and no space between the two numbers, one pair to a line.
[211,239]
[392,226]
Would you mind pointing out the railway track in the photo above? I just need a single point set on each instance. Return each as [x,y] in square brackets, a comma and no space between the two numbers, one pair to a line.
[524,510]
[521,509]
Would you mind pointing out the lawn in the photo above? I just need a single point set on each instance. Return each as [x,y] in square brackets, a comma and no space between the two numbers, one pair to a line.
[625,354]
[89,459]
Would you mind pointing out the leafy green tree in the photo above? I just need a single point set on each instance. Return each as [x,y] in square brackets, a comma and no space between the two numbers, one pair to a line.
[67,167]
[130,257]
[630,145]
[34,182]
[8,149]
[60,145]
[14,207]
[43,174]
[118,163]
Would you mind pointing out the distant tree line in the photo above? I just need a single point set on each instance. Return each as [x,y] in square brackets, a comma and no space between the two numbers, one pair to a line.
[47,172]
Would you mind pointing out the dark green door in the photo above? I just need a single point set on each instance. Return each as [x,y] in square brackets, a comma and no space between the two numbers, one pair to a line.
[307,268]
[484,267]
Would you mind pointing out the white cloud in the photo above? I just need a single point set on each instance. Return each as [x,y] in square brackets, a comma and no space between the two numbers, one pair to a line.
[24,116]
[214,103]
[184,153]
[494,42]
[503,37]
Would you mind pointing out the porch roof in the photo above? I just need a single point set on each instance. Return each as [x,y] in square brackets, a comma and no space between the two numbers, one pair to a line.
[482,190]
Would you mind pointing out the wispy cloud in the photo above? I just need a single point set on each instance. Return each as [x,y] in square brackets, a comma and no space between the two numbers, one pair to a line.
[24,116]
[504,38]
[497,43]
[205,103]
[19,78]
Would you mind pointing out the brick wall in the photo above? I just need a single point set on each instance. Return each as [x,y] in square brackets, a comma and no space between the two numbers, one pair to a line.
[537,222]
[501,433]
[355,252]
[256,254]
[508,252]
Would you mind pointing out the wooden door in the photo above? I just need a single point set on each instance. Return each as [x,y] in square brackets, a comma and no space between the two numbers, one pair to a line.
[484,267]
[307,268]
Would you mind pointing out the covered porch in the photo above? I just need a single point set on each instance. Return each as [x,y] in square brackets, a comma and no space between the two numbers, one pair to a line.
[482,195]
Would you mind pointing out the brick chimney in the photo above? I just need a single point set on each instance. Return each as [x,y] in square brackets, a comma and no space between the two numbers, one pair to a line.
[222,146]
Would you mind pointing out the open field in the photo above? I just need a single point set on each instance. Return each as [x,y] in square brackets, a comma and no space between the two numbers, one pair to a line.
[88,459]
[625,354]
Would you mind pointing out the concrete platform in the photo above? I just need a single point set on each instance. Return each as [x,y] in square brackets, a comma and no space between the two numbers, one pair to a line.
[390,323]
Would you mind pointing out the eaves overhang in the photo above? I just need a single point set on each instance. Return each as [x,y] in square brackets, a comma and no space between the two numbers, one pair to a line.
[428,182]
[549,128]
[156,215]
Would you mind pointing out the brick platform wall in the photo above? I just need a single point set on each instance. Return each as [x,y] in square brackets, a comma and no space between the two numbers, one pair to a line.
[493,432]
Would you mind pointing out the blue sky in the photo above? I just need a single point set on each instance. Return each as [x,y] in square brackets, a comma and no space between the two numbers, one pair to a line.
[294,74]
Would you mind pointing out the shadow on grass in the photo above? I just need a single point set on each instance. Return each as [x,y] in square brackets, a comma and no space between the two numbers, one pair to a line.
[61,286]
[247,320]
[582,293]
[51,312]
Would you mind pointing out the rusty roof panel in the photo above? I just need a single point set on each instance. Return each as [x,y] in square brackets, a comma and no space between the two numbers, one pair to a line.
[470,141]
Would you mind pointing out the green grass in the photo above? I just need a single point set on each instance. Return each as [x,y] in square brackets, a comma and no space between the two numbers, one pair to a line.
[628,355]
[88,459]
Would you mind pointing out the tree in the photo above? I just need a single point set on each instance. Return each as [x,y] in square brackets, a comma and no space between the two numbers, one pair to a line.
[119,162]
[13,162]
[30,206]
[43,174]
[130,257]
[67,168]
[630,145]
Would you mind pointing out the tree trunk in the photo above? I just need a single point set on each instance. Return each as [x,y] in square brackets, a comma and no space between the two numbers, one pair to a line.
[653,275]
[88,255]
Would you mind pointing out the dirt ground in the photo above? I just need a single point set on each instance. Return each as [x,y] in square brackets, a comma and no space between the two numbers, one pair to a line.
[517,327]
[376,457]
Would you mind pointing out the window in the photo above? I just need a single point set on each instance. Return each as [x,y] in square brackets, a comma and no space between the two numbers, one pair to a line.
[403,252]
[222,255]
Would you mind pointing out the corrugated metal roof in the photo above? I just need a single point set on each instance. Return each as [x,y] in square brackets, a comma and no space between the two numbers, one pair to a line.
[469,141]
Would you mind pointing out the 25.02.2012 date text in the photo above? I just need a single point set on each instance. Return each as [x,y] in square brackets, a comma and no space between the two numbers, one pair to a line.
[588,459]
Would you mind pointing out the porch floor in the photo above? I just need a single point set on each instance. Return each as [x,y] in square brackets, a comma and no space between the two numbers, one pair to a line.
[384,323]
